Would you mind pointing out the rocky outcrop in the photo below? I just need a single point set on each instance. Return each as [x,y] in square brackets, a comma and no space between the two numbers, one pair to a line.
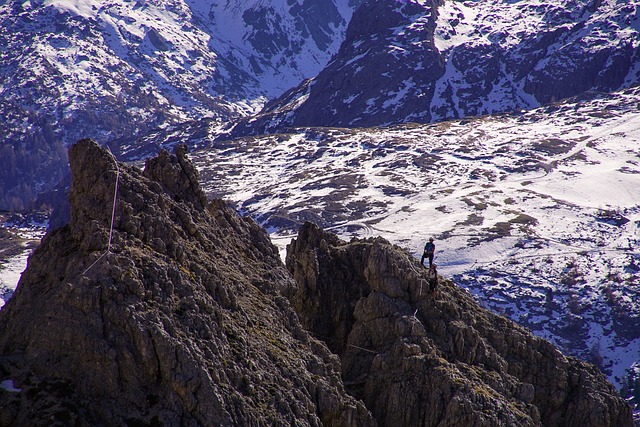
[417,359]
[174,317]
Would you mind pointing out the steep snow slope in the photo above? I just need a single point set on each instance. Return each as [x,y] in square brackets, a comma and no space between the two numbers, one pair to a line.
[187,58]
[117,69]
[530,53]
[281,42]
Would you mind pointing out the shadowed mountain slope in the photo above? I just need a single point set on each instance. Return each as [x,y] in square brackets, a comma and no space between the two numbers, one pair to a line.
[432,60]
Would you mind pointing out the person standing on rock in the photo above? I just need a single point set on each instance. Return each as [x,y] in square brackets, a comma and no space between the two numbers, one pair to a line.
[429,250]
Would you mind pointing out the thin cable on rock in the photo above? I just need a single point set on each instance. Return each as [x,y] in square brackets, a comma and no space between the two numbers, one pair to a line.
[115,198]
[113,215]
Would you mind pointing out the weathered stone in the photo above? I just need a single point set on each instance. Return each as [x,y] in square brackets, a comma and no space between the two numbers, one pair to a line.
[416,359]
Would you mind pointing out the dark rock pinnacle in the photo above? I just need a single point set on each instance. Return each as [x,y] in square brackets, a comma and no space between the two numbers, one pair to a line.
[180,323]
[417,359]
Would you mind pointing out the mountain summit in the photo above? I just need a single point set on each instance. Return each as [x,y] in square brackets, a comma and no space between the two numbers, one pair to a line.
[173,311]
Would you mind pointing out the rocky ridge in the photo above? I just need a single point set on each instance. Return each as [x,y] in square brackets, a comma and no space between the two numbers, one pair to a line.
[416,358]
[179,315]
[522,205]
[428,61]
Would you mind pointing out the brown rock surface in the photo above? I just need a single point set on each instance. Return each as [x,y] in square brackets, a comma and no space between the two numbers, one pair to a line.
[416,359]
[181,322]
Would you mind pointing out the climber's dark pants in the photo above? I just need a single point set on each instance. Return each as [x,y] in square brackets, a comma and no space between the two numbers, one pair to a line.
[429,256]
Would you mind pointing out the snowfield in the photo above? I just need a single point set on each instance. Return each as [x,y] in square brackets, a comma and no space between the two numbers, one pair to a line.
[10,272]
[19,236]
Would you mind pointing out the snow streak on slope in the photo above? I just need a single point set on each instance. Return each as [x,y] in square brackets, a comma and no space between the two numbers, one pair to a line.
[537,214]
[405,61]
[282,43]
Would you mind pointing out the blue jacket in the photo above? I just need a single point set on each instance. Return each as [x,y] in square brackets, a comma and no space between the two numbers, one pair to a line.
[429,248]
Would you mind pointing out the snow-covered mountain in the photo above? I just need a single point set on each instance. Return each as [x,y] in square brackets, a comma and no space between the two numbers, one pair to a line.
[72,69]
[426,61]
[117,70]
[535,211]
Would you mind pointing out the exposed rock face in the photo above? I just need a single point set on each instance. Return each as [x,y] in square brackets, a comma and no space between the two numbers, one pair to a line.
[181,322]
[385,72]
[372,35]
[418,359]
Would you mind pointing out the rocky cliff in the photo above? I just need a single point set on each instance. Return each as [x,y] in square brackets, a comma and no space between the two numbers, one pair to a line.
[180,322]
[415,358]
[177,311]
